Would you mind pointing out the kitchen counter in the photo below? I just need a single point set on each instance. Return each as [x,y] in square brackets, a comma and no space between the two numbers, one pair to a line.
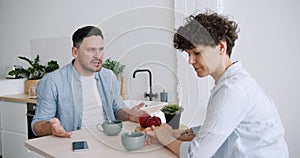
[15,124]
[22,98]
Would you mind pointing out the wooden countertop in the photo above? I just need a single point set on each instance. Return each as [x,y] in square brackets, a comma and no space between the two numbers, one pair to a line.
[22,98]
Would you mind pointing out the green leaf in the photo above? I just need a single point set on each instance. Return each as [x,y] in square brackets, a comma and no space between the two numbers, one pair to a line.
[115,66]
[172,109]
[36,70]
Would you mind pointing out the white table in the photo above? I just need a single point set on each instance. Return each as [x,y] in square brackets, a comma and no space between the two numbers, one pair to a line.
[100,145]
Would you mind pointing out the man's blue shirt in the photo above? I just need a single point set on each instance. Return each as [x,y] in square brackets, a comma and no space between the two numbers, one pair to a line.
[60,96]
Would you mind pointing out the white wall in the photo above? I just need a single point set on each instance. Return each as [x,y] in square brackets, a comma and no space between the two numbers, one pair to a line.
[142,38]
[267,45]
[137,32]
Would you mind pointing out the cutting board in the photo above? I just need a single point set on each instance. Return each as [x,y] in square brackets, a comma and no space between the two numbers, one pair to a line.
[139,129]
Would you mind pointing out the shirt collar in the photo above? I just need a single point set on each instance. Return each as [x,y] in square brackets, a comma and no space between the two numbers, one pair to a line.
[74,71]
[230,71]
[77,75]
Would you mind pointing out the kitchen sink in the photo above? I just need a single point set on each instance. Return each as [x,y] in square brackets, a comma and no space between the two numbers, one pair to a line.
[152,107]
[148,104]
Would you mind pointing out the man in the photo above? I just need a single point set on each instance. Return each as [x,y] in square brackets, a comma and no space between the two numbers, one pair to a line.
[82,93]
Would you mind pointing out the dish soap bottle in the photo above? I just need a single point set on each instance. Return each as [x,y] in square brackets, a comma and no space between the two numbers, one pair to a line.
[164,96]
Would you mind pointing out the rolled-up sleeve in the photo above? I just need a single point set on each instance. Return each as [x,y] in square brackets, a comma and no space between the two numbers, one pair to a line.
[185,146]
[118,101]
[109,88]
[184,151]
[196,129]
[45,106]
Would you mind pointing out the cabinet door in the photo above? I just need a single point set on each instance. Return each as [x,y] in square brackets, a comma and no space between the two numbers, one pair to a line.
[13,116]
[32,154]
[13,145]
[0,130]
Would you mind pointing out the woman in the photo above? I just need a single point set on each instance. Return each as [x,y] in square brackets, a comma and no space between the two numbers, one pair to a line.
[241,120]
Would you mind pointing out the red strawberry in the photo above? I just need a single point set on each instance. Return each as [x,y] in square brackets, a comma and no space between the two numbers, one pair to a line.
[143,120]
[153,121]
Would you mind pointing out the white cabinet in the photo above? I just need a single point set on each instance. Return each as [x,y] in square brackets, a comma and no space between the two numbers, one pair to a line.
[14,130]
[13,144]
[14,116]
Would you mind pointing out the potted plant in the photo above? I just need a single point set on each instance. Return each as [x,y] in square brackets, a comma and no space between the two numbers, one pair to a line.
[115,66]
[118,69]
[172,114]
[35,71]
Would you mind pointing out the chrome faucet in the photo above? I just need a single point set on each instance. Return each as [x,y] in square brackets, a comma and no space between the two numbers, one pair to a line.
[150,94]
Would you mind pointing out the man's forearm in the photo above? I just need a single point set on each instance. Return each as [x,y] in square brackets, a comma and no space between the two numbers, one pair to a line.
[42,128]
[122,114]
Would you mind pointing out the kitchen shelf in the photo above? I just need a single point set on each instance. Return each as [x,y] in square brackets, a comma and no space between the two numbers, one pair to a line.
[21,98]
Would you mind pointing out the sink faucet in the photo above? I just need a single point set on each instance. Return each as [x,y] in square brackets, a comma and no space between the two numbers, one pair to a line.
[150,94]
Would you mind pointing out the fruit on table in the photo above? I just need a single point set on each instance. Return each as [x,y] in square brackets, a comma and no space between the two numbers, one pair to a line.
[147,121]
[153,121]
[143,120]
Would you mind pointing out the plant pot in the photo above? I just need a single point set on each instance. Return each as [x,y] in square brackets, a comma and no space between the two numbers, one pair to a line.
[123,89]
[173,120]
[28,83]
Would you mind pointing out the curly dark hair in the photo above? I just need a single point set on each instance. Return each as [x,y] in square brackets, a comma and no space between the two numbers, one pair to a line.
[206,29]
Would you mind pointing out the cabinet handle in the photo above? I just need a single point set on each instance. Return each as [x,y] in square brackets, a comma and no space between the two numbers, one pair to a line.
[29,115]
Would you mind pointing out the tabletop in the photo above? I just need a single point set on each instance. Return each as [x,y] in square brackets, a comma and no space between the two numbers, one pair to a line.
[99,145]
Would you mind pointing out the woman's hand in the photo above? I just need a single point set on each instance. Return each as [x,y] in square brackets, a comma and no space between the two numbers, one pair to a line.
[162,134]
[151,137]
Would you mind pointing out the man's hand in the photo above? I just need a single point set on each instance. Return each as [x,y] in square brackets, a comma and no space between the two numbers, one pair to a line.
[135,112]
[57,129]
[53,127]
[132,114]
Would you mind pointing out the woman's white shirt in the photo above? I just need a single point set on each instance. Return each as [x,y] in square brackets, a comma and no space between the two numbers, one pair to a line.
[241,121]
